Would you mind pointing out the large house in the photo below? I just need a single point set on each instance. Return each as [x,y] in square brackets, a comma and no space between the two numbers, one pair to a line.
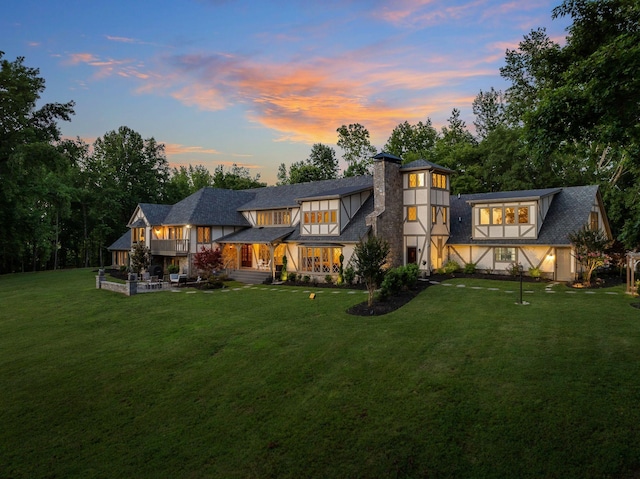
[409,205]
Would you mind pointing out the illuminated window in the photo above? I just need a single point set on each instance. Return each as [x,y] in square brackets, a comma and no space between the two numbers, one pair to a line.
[320,260]
[506,215]
[325,216]
[434,215]
[444,215]
[505,255]
[593,221]
[264,218]
[282,217]
[416,180]
[204,234]
[485,217]
[438,180]
[509,216]
[496,216]
[412,213]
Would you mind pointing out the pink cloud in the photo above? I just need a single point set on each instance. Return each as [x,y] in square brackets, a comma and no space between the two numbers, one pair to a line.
[178,149]
[306,102]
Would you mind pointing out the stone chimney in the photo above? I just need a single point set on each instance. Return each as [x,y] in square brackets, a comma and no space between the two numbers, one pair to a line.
[386,220]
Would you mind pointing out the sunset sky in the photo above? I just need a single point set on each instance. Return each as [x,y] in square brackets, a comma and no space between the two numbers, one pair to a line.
[257,83]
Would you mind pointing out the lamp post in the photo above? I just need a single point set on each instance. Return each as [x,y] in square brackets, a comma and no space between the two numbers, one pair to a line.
[520,268]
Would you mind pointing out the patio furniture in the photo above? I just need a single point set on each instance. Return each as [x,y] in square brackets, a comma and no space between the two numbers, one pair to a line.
[177,279]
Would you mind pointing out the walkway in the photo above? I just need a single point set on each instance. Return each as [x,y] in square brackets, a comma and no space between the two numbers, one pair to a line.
[549,289]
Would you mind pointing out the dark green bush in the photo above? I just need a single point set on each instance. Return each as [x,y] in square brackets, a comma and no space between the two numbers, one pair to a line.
[470,268]
[292,277]
[349,275]
[397,279]
[451,266]
[328,279]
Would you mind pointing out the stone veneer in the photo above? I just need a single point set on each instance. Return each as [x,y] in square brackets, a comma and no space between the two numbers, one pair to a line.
[387,217]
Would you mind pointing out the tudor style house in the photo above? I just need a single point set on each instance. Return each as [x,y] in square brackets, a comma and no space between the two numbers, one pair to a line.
[409,205]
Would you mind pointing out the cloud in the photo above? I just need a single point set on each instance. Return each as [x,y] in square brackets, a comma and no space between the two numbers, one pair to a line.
[121,39]
[104,68]
[423,13]
[306,102]
[178,149]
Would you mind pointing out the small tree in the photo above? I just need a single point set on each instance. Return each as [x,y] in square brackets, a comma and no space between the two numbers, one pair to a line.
[140,257]
[369,257]
[208,260]
[590,246]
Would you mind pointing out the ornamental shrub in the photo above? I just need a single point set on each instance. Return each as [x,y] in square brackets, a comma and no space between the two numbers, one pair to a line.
[535,272]
[349,275]
[470,268]
[451,266]
[328,279]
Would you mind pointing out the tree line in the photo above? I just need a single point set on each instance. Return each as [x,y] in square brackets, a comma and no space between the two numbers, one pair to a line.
[62,202]
[570,116]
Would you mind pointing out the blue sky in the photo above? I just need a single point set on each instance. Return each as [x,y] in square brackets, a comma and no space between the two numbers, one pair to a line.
[257,83]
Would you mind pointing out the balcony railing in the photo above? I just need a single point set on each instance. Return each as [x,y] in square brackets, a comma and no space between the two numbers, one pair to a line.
[173,247]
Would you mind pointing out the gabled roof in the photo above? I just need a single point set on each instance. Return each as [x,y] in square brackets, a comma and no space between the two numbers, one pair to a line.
[355,230]
[424,165]
[569,211]
[288,196]
[154,214]
[210,206]
[121,244]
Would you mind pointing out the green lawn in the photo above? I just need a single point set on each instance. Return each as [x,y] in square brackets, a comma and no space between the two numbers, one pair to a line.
[264,382]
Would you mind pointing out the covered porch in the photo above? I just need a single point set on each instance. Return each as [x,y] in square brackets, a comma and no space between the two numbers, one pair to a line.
[255,249]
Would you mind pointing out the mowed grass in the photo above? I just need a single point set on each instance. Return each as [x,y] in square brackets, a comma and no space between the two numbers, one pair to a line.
[266,383]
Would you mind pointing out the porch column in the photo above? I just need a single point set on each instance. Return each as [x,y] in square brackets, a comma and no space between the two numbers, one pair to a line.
[272,261]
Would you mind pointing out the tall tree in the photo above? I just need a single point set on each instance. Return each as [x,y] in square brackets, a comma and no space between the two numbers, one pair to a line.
[237,178]
[184,181]
[322,164]
[454,143]
[127,170]
[33,174]
[358,150]
[584,96]
[489,109]
[412,142]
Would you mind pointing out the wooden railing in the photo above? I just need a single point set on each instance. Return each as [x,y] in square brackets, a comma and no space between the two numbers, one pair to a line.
[174,247]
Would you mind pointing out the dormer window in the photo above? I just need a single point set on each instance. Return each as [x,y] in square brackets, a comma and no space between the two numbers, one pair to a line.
[504,215]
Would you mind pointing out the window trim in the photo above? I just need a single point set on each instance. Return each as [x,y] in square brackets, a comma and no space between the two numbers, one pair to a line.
[413,209]
[503,215]
[419,180]
[437,179]
[501,249]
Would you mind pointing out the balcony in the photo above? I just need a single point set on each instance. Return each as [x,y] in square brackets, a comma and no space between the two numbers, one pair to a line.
[173,247]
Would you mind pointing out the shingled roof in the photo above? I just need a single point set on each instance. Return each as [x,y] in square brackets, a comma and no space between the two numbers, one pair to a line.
[424,165]
[122,244]
[569,211]
[210,206]
[155,214]
[263,235]
[287,196]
